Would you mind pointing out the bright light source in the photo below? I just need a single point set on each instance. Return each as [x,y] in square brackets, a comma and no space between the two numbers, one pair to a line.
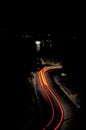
[37,42]
[63,74]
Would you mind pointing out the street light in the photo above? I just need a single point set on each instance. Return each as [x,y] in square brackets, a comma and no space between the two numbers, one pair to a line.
[37,45]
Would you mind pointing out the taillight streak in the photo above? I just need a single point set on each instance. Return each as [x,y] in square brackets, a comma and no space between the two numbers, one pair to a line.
[45,83]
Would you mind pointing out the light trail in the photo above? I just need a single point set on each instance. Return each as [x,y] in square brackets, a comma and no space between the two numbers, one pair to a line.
[52,107]
[44,83]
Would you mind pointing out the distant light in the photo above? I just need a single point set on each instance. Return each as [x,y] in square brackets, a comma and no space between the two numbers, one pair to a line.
[47,40]
[63,74]
[37,42]
[26,36]
[49,34]
[38,45]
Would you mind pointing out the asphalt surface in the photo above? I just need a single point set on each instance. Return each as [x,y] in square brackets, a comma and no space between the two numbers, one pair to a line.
[50,108]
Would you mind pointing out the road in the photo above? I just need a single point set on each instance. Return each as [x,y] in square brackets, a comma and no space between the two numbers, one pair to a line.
[64,115]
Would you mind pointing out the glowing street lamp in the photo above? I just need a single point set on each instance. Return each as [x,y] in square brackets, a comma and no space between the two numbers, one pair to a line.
[38,42]
[37,45]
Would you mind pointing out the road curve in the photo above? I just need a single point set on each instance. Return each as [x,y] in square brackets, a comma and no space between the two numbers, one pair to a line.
[50,94]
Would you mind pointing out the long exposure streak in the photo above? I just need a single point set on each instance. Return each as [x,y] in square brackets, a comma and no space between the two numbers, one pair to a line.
[44,83]
[49,101]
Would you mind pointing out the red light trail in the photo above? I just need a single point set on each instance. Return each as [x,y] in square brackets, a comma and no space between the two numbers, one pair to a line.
[49,101]
[44,85]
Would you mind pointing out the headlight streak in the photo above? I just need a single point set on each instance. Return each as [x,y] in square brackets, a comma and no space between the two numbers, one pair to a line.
[44,83]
